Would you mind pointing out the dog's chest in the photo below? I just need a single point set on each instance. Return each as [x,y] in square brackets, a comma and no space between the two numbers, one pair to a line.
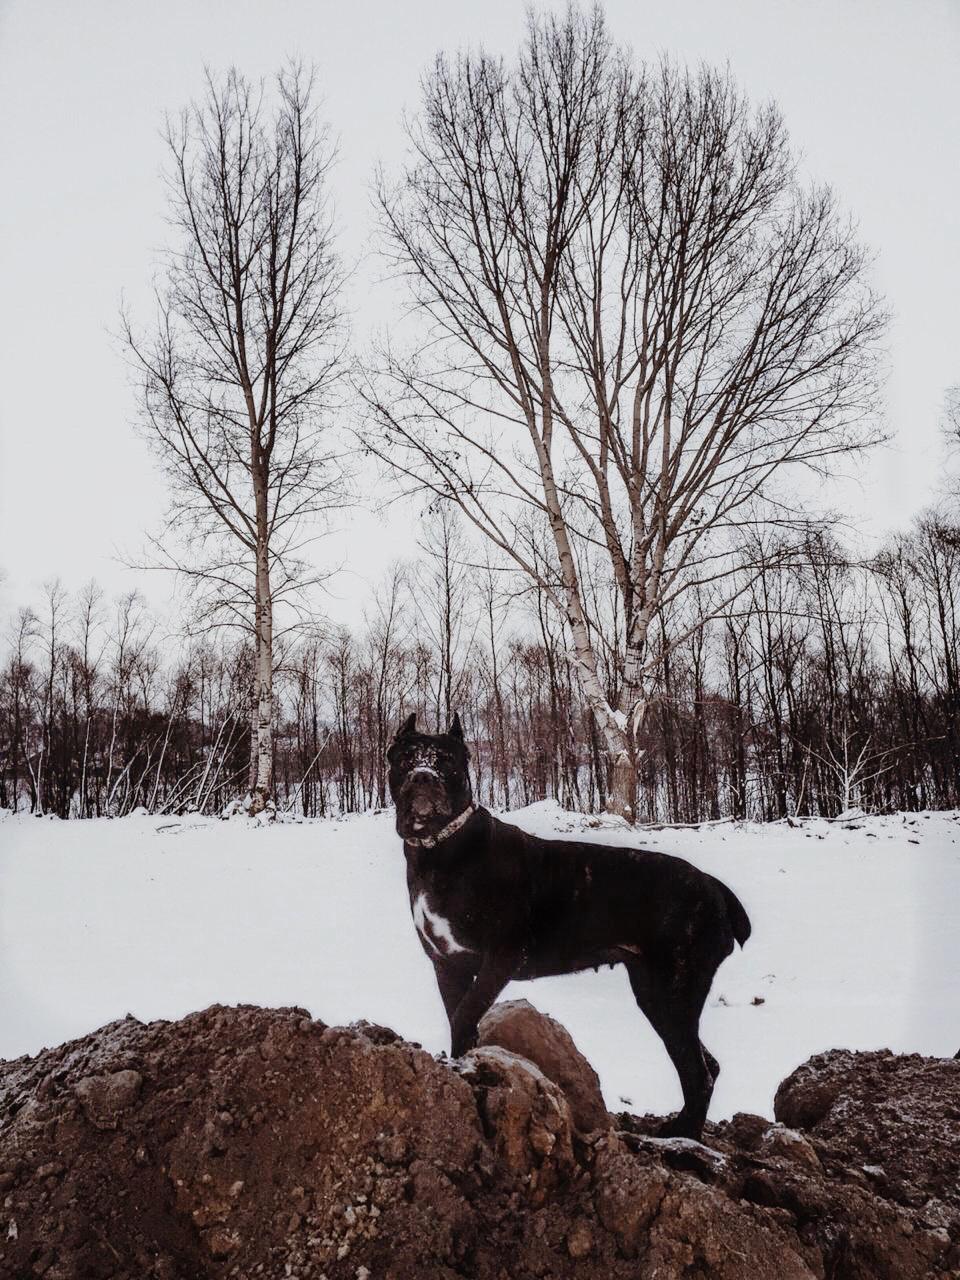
[438,931]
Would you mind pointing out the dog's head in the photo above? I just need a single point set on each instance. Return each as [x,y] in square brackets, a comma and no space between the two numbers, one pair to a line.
[429,778]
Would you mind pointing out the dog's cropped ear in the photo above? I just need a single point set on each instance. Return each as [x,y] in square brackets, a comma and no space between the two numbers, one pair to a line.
[456,728]
[408,726]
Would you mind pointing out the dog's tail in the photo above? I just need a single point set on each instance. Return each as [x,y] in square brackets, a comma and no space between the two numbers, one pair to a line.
[739,920]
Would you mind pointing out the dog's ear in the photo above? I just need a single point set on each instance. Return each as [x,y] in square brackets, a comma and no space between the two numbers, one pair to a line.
[408,726]
[456,728]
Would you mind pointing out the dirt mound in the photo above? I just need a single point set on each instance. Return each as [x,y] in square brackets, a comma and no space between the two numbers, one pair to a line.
[897,1119]
[248,1142]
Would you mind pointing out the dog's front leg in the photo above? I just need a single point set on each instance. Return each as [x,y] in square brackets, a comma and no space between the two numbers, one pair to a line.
[453,982]
[495,973]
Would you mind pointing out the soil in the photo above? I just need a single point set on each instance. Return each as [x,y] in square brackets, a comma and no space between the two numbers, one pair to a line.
[253,1142]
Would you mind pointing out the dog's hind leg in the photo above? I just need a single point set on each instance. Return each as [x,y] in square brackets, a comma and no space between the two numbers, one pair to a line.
[673,1000]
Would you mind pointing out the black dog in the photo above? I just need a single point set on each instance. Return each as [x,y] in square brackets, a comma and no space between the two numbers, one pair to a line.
[492,903]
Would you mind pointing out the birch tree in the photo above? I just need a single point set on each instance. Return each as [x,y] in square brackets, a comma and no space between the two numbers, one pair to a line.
[634,319]
[235,377]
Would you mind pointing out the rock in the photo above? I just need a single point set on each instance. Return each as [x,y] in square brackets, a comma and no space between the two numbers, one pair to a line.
[627,1196]
[259,1143]
[516,1025]
[679,1226]
[222,1243]
[680,1153]
[526,1114]
[105,1098]
[700,1231]
[747,1130]
[789,1145]
[579,1239]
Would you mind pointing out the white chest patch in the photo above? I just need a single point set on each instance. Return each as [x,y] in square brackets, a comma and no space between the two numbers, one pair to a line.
[434,929]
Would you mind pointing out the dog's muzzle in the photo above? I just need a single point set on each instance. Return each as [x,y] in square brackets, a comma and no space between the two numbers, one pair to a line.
[423,802]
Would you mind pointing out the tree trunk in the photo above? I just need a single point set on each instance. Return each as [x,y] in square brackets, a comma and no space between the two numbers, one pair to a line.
[621,796]
[261,794]
[253,717]
[623,753]
[622,791]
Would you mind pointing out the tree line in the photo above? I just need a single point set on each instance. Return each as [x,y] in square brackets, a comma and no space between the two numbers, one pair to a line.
[831,684]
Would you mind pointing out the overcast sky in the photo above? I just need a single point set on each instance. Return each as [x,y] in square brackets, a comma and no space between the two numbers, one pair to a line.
[868,89]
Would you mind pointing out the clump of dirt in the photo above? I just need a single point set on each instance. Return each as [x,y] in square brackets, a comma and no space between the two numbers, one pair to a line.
[248,1142]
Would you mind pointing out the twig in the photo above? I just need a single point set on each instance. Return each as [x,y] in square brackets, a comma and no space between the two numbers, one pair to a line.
[296,793]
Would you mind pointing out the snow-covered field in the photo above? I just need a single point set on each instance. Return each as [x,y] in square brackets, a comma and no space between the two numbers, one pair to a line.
[855,938]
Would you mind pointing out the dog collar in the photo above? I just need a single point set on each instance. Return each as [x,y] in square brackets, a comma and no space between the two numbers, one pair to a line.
[429,842]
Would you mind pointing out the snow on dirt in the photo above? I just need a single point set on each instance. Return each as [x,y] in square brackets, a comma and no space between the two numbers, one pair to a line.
[855,939]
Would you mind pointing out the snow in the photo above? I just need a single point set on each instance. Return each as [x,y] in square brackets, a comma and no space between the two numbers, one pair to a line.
[855,941]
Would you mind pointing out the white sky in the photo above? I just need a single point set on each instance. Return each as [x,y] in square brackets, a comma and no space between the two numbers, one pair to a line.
[868,89]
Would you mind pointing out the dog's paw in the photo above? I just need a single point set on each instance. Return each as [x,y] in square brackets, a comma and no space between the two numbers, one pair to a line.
[679,1126]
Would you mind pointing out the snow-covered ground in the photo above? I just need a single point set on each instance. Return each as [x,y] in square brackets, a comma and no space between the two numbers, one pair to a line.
[855,938]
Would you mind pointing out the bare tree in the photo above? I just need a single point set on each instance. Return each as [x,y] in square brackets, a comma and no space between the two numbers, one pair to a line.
[635,318]
[235,379]
[87,662]
[852,769]
[131,640]
[951,414]
[53,623]
[386,631]
[491,672]
[950,430]
[19,681]
[444,615]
